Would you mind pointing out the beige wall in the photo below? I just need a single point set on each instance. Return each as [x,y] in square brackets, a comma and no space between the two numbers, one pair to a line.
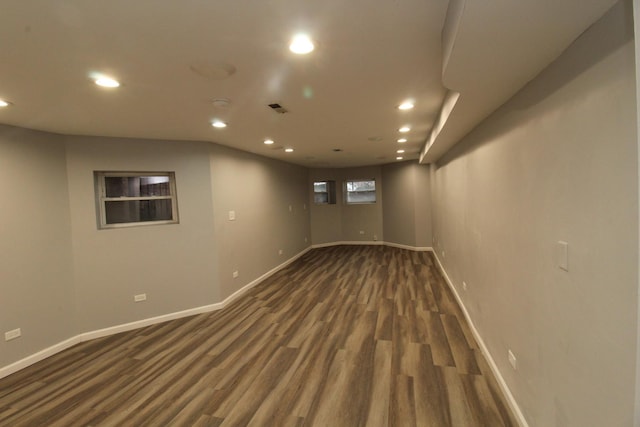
[342,222]
[36,282]
[557,162]
[407,205]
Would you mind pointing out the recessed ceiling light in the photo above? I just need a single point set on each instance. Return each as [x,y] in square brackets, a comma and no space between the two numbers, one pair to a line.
[402,140]
[407,105]
[288,150]
[218,124]
[399,158]
[301,44]
[400,151]
[4,103]
[404,129]
[268,141]
[106,82]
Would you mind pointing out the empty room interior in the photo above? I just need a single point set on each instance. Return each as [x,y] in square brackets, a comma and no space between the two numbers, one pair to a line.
[409,212]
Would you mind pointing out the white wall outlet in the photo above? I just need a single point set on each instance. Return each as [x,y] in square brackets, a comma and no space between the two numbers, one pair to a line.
[290,208]
[442,254]
[361,231]
[464,285]
[140,297]
[304,206]
[12,335]
[562,255]
[235,274]
[232,215]
[305,240]
[512,360]
[280,252]
[375,237]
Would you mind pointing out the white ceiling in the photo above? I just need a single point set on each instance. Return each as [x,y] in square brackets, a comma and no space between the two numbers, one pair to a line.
[370,56]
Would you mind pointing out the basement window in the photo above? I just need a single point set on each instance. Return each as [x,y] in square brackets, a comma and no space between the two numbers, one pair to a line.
[360,191]
[324,192]
[126,199]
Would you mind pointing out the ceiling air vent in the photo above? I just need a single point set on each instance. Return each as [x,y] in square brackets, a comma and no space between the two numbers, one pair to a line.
[278,108]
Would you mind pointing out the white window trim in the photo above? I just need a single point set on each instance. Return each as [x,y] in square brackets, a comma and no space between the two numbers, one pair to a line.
[101,199]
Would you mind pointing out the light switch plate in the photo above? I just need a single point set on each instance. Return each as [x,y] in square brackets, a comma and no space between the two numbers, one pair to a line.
[232,215]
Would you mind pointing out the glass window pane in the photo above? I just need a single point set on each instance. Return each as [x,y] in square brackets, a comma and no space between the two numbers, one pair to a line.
[363,191]
[321,198]
[118,212]
[320,187]
[136,186]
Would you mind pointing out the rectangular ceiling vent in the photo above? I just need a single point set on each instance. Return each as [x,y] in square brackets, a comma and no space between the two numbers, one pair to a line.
[278,108]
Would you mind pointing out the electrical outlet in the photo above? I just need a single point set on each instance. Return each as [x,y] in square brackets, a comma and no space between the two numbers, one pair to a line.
[235,274]
[464,285]
[375,237]
[12,335]
[140,297]
[290,208]
[442,254]
[280,252]
[512,360]
[305,240]
[232,215]
[361,231]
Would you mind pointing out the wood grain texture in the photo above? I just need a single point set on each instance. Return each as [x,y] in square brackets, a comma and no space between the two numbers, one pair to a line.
[344,336]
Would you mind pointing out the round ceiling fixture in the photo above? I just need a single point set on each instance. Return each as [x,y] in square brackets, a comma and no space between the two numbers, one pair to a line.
[218,124]
[213,70]
[402,140]
[4,103]
[288,150]
[301,44]
[407,105]
[268,141]
[404,129]
[221,103]
[107,82]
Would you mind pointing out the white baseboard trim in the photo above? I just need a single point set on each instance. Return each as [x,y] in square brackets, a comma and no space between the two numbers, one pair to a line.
[410,248]
[511,401]
[36,357]
[86,336]
[376,243]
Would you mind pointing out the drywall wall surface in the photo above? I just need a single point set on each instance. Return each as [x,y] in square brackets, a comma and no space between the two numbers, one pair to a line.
[399,207]
[326,219]
[344,222]
[407,204]
[36,281]
[174,265]
[558,162]
[363,222]
[268,200]
[422,205]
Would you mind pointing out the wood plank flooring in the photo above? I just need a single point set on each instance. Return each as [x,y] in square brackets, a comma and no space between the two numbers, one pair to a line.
[344,336]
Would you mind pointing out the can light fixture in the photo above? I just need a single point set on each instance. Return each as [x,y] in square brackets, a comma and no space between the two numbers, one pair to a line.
[301,44]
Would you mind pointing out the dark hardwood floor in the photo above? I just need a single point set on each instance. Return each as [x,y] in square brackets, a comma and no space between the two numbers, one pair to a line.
[344,336]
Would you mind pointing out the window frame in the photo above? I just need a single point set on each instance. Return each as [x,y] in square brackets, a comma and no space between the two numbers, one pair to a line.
[330,192]
[102,199]
[346,191]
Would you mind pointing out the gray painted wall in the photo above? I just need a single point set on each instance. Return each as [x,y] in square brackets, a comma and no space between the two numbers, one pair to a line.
[343,222]
[270,201]
[173,264]
[557,162]
[36,279]
[407,205]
